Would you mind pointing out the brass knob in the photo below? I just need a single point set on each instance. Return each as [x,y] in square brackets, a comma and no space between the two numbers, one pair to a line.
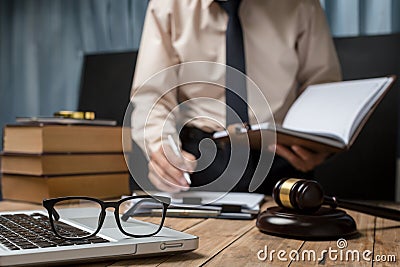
[80,115]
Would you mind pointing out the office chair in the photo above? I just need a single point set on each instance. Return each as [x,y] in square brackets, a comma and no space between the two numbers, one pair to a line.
[368,169]
[105,89]
[106,82]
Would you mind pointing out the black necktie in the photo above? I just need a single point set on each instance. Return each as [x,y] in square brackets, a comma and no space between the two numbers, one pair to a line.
[236,97]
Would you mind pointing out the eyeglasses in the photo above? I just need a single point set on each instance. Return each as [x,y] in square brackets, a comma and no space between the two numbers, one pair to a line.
[136,216]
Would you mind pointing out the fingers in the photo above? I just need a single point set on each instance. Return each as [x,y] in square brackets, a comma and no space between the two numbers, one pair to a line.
[302,153]
[160,183]
[307,155]
[293,159]
[189,161]
[301,158]
[166,170]
[185,162]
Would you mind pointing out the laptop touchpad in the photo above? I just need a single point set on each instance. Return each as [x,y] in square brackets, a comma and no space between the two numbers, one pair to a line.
[110,227]
[92,222]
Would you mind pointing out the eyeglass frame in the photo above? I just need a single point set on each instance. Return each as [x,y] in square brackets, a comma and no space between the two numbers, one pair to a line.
[49,204]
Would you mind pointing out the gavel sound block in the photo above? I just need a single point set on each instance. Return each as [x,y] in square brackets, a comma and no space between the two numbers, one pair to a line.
[301,216]
[325,224]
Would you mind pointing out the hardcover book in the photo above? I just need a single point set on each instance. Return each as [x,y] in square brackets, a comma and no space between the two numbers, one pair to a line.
[325,117]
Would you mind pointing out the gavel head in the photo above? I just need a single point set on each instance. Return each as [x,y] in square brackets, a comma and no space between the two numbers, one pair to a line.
[298,194]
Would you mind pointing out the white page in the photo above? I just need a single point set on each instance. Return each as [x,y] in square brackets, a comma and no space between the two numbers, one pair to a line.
[246,200]
[331,109]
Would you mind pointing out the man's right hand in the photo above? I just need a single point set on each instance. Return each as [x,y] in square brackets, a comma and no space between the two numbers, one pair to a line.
[166,169]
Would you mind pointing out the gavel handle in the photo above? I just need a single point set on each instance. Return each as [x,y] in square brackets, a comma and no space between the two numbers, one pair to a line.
[383,212]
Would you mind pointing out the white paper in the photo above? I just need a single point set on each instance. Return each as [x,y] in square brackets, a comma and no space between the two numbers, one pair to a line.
[245,200]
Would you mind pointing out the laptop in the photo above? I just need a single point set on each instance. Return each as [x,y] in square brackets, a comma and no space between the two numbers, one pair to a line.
[27,239]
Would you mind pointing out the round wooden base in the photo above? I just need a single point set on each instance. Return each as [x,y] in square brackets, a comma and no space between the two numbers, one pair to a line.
[325,224]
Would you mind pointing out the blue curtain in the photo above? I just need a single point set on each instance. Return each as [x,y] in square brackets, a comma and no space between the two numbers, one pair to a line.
[362,17]
[42,43]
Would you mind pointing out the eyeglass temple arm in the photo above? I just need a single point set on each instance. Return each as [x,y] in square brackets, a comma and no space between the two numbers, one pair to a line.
[55,214]
[129,212]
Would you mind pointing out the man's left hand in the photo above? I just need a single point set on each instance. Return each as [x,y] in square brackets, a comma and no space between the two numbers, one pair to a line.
[302,159]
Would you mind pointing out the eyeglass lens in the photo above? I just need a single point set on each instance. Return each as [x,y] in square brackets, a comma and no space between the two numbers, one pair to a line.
[141,216]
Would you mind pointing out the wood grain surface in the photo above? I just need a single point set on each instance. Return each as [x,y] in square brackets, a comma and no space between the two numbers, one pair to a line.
[239,243]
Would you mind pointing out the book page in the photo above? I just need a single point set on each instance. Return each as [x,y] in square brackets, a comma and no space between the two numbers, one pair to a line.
[334,109]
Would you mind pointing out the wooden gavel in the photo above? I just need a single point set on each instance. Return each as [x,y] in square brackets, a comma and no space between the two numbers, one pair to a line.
[307,196]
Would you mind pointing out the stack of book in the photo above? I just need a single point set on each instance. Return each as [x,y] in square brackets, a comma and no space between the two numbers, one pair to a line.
[48,160]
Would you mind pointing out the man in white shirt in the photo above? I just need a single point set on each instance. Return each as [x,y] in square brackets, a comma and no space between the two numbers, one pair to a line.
[287,47]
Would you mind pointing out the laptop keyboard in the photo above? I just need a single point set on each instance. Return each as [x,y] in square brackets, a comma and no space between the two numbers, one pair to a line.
[22,231]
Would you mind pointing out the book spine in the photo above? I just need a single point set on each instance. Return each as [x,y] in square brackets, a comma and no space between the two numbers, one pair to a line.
[63,164]
[34,189]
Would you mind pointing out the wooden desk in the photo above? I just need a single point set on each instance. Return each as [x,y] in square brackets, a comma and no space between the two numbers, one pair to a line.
[236,243]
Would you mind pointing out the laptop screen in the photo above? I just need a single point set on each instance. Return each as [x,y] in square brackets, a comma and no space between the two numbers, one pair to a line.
[106,84]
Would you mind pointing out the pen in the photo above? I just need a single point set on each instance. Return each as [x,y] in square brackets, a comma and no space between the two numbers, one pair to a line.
[186,213]
[178,154]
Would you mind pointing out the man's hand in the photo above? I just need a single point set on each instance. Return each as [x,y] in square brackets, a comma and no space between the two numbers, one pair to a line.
[302,159]
[166,169]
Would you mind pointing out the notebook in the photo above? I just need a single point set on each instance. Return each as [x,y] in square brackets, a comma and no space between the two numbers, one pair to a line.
[26,238]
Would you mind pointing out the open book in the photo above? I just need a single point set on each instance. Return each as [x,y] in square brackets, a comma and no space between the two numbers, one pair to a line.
[325,117]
